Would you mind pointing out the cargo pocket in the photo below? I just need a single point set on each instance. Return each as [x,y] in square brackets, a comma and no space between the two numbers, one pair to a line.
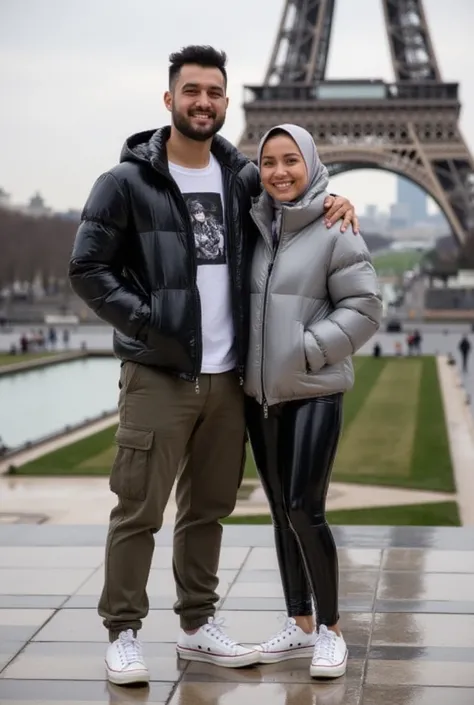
[129,474]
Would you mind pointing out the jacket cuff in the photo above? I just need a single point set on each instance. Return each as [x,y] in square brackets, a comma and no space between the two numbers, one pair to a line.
[314,354]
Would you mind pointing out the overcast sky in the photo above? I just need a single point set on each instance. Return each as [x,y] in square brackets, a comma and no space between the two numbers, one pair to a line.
[78,76]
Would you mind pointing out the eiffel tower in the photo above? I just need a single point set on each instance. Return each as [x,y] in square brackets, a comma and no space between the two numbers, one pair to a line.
[410,127]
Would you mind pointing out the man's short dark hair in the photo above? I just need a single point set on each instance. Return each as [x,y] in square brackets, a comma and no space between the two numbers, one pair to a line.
[200,55]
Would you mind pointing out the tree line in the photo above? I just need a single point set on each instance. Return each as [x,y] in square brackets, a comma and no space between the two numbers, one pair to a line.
[41,246]
[34,246]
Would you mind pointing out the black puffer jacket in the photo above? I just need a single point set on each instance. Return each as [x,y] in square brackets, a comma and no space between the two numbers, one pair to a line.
[134,260]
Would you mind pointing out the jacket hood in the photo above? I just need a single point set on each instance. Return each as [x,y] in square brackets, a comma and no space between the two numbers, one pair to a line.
[150,147]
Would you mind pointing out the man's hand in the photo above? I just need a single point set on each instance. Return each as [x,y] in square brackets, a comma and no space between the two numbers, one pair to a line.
[337,208]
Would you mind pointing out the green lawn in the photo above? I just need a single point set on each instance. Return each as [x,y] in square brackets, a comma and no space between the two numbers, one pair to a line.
[442,514]
[394,427]
[6,359]
[394,432]
[396,263]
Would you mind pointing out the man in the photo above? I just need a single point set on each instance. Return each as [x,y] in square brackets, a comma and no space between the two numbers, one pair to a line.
[180,320]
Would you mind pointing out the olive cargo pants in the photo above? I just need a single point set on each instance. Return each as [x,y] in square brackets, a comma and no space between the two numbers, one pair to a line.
[167,431]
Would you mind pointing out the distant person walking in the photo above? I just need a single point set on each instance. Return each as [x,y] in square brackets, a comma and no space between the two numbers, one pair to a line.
[464,348]
[417,341]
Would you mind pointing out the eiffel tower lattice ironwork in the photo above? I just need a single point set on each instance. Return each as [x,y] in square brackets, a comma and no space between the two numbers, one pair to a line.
[410,127]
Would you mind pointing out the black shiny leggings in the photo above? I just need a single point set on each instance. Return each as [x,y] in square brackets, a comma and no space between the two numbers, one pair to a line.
[294,450]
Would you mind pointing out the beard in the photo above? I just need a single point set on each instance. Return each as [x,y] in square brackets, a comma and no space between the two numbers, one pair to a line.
[199,134]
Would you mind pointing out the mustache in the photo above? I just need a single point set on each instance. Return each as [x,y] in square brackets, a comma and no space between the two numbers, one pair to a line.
[209,113]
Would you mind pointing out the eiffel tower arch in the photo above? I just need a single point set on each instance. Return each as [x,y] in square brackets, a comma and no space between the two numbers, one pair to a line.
[409,127]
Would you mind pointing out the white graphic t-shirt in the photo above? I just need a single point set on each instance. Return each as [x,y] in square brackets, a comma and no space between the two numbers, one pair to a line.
[203,192]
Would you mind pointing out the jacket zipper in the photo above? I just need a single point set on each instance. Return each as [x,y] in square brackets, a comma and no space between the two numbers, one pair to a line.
[265,297]
[265,300]
[228,195]
[197,300]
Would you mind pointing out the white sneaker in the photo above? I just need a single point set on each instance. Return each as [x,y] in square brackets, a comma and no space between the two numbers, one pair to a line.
[124,661]
[211,644]
[330,655]
[290,642]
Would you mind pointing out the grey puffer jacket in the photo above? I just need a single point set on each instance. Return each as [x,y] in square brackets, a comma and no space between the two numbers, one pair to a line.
[314,302]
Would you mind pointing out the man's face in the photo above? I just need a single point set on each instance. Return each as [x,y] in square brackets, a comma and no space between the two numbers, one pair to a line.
[198,102]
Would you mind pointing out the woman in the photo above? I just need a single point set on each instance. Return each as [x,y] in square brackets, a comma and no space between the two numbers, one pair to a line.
[314,302]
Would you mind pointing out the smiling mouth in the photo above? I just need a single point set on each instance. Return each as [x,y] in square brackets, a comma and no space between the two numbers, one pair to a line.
[283,185]
[202,116]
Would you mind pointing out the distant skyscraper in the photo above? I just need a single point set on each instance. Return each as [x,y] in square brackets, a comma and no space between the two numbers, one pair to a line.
[371,211]
[411,195]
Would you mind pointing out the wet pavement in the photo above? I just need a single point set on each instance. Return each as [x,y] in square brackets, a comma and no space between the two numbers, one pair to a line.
[407,612]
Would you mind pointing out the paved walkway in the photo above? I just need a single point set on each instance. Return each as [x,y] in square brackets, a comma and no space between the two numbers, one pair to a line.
[88,500]
[406,603]
[460,426]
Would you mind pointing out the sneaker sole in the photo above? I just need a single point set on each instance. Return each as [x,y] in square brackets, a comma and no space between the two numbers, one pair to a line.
[328,671]
[249,659]
[128,678]
[277,657]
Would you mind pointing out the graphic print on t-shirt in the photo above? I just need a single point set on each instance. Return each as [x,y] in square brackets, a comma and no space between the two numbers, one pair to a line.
[205,210]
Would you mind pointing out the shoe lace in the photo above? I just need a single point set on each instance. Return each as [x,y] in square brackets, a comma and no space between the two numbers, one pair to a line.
[288,626]
[215,629]
[325,646]
[130,647]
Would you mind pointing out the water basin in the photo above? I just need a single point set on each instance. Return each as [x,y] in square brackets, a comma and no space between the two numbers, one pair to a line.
[39,402]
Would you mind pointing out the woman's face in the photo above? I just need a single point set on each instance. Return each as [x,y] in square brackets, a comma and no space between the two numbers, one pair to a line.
[282,169]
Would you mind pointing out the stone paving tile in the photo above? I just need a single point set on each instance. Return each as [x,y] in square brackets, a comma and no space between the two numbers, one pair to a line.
[449,630]
[416,559]
[32,601]
[20,625]
[427,673]
[44,692]
[423,653]
[407,612]
[40,581]
[426,586]
[416,695]
[271,693]
[84,661]
[50,557]
[9,649]
[428,606]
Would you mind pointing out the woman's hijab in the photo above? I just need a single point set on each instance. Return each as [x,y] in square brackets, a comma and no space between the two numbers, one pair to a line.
[318,177]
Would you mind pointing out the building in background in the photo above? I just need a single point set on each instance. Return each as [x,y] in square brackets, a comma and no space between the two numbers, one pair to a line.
[412,200]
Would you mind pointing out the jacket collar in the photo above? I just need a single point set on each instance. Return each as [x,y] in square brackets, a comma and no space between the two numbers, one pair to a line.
[293,218]
[150,146]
